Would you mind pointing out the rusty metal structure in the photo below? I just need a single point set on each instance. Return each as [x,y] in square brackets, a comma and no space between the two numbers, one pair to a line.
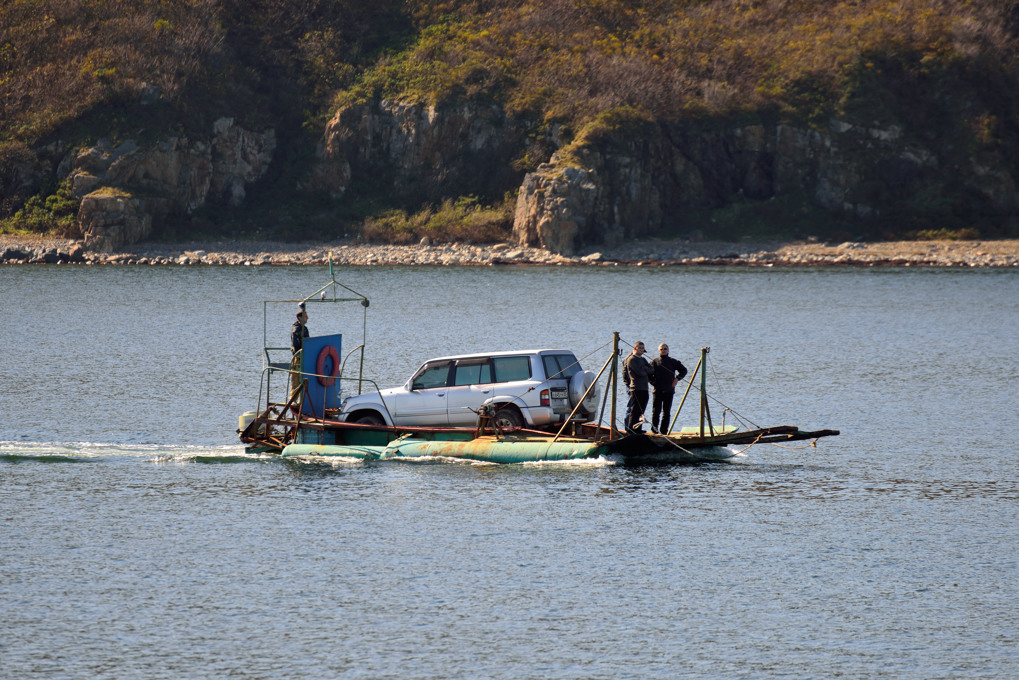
[283,387]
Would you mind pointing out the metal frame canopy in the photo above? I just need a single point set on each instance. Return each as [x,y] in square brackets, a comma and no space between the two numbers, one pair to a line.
[331,293]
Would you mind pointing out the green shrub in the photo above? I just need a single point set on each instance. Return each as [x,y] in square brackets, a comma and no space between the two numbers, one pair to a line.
[964,234]
[461,220]
[52,214]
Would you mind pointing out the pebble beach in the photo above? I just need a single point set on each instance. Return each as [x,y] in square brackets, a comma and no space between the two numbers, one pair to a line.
[15,249]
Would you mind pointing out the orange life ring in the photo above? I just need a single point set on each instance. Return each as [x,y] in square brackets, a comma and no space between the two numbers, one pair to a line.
[327,351]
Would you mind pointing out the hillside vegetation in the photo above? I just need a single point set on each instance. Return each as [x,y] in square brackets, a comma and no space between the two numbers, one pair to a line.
[77,70]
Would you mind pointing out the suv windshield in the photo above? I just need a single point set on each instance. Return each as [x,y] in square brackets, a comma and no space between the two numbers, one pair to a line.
[432,375]
[561,365]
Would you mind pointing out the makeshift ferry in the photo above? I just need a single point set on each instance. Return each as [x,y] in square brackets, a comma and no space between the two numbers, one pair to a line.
[300,402]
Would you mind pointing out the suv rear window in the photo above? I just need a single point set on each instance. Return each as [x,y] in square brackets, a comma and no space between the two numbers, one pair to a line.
[509,369]
[476,372]
[560,365]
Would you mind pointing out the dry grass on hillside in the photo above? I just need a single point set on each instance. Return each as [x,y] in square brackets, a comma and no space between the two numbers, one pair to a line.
[569,60]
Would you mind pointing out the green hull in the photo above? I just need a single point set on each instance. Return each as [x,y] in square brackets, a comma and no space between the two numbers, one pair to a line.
[487,449]
[381,443]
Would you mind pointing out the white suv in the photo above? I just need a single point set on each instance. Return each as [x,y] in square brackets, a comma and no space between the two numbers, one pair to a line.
[536,388]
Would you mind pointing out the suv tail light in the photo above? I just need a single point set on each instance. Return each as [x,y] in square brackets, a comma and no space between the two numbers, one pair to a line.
[544,398]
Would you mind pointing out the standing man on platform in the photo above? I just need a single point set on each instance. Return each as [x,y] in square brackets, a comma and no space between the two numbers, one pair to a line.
[639,372]
[667,374]
[298,332]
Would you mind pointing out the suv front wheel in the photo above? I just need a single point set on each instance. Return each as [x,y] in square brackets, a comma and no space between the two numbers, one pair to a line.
[369,418]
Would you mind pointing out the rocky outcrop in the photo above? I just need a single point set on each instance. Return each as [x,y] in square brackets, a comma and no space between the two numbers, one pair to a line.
[592,197]
[422,153]
[555,205]
[111,219]
[615,188]
[126,191]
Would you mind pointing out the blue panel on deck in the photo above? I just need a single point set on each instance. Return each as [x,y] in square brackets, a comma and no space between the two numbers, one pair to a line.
[321,357]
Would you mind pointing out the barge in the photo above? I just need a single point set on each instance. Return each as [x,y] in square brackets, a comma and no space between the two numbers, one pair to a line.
[300,415]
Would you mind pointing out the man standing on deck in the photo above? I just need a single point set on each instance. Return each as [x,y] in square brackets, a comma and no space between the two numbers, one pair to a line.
[298,332]
[639,372]
[668,373]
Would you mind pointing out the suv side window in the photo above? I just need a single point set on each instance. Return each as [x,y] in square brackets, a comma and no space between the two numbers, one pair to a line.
[432,375]
[510,369]
[560,365]
[472,372]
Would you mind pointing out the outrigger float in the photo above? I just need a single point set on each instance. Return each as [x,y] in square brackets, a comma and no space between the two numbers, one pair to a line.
[298,407]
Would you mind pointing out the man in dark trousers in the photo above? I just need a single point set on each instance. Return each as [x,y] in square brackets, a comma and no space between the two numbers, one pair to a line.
[667,374]
[639,373]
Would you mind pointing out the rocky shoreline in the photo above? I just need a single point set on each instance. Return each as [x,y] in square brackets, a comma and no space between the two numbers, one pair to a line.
[38,250]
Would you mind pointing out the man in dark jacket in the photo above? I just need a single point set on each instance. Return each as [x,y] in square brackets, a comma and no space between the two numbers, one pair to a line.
[667,374]
[638,372]
[298,332]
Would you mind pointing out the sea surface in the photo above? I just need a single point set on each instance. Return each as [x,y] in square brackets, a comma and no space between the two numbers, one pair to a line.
[139,540]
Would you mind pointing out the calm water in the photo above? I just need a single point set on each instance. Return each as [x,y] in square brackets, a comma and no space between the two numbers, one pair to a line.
[137,539]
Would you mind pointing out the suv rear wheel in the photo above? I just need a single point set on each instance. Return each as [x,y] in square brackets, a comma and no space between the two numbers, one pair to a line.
[508,417]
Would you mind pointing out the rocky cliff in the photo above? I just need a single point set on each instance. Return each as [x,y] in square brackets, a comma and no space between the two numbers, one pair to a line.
[658,177]
[418,152]
[127,190]
[617,188]
[634,181]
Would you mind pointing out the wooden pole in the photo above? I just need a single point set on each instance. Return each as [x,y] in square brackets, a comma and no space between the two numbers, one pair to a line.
[704,386]
[576,408]
[682,401]
[614,381]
